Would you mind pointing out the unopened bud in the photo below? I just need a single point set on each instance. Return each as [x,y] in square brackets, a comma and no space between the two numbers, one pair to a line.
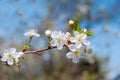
[88,49]
[71,22]
[84,30]
[48,33]
[25,48]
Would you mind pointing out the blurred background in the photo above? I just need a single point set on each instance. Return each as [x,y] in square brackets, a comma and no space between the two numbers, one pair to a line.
[100,16]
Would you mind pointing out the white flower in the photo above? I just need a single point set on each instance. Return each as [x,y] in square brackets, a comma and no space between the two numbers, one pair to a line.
[71,22]
[79,39]
[75,53]
[58,39]
[48,33]
[11,56]
[31,33]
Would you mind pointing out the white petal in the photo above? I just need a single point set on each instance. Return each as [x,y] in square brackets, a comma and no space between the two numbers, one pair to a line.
[37,35]
[63,37]
[12,50]
[67,35]
[78,44]
[72,47]
[60,33]
[72,39]
[26,34]
[76,33]
[69,55]
[21,53]
[5,52]
[59,46]
[54,34]
[85,42]
[75,59]
[32,33]
[53,42]
[10,61]
[84,36]
[4,58]
[17,54]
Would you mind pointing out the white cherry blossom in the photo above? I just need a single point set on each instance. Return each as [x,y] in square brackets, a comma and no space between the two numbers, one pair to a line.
[75,53]
[11,56]
[58,39]
[79,39]
[31,33]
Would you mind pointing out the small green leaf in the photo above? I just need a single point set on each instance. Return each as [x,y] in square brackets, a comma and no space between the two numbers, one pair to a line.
[78,28]
[76,25]
[90,33]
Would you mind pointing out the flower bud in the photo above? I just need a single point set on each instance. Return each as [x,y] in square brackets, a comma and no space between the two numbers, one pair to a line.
[88,49]
[48,33]
[25,47]
[71,22]
[84,30]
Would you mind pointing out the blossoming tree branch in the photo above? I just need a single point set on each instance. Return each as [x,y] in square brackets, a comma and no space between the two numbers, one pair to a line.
[77,43]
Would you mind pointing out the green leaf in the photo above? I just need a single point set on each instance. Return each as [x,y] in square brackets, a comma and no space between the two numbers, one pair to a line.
[76,25]
[78,28]
[90,33]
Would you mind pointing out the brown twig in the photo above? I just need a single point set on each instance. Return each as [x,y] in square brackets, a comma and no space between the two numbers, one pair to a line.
[38,51]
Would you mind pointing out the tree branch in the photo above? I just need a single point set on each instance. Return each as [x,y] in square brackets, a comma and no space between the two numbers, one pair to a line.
[38,51]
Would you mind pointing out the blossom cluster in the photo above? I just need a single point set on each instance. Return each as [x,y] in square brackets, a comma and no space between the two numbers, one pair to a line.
[77,43]
[11,56]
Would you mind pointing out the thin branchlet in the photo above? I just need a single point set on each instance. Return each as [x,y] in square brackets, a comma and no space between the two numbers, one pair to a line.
[39,51]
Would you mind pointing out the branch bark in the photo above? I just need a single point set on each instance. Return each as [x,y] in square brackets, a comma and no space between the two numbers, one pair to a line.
[39,51]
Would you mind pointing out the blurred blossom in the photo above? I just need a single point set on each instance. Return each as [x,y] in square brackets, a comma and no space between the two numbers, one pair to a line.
[83,9]
[31,33]
[106,28]
[11,56]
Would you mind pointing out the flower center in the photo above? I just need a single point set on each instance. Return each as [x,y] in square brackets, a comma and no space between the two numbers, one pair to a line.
[76,53]
[59,40]
[9,55]
[80,39]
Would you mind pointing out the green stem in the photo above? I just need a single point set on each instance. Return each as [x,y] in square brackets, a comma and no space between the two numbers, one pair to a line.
[30,40]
